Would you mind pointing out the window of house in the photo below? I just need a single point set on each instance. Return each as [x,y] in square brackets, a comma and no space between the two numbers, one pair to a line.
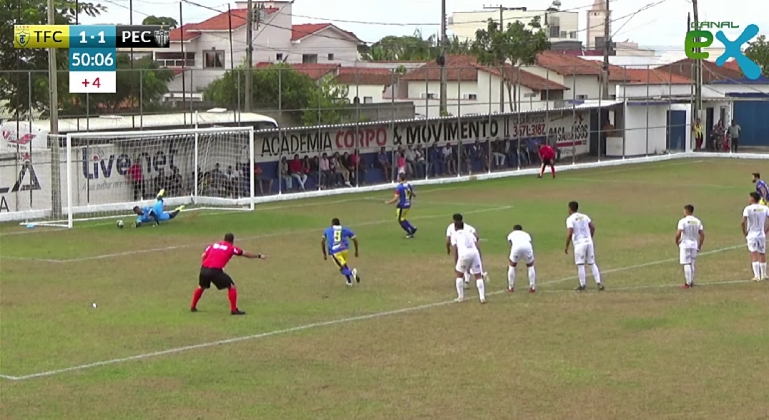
[213,60]
[555,31]
[175,59]
[331,57]
[309,58]
[368,100]
[279,57]
[581,97]
[573,34]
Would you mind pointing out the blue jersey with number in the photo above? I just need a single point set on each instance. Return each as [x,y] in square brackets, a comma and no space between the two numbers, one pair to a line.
[338,238]
[404,192]
[762,189]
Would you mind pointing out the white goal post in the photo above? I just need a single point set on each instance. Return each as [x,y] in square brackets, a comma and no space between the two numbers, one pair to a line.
[106,174]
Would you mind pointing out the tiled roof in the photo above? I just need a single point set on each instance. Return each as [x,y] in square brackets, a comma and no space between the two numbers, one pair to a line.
[463,68]
[570,65]
[654,77]
[314,71]
[302,31]
[710,71]
[220,22]
[365,76]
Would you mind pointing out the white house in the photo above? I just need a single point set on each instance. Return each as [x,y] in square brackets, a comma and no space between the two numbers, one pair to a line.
[560,26]
[475,89]
[202,52]
[582,77]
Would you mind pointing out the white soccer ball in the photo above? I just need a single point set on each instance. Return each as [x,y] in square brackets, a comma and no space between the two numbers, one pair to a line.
[120,224]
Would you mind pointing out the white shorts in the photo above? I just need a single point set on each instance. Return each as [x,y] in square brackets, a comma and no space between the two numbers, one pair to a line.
[688,255]
[584,254]
[469,263]
[757,245]
[523,253]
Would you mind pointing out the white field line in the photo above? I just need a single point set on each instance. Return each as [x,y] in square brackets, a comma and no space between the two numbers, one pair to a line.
[247,238]
[313,325]
[257,207]
[657,286]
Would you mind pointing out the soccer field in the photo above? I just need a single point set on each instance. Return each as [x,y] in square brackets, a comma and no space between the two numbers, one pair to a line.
[395,346]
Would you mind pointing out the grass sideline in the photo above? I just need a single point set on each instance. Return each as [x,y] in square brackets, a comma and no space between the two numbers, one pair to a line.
[625,353]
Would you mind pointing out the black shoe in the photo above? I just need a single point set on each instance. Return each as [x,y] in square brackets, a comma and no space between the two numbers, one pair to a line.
[413,232]
[580,288]
[193,309]
[237,312]
[600,286]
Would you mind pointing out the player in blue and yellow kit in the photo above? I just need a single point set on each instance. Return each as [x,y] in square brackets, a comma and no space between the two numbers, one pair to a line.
[761,189]
[336,242]
[155,213]
[404,192]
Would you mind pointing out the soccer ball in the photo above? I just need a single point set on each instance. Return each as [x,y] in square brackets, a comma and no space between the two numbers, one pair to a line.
[120,224]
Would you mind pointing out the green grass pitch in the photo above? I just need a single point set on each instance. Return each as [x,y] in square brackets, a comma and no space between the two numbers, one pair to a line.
[393,347]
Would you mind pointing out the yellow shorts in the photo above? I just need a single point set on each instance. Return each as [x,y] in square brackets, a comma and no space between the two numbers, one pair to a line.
[340,258]
[401,214]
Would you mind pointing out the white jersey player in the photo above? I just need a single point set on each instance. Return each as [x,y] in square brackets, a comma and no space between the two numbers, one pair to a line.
[467,257]
[521,248]
[450,231]
[754,228]
[580,231]
[689,237]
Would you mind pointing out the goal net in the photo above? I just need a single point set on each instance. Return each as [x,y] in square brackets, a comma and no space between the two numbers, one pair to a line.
[104,175]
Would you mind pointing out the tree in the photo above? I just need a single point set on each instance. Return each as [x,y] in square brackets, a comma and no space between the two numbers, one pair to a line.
[758,51]
[161,20]
[412,48]
[510,49]
[280,87]
[24,68]
[140,88]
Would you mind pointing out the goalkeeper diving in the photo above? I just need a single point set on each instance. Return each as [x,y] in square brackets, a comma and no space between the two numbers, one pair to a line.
[155,213]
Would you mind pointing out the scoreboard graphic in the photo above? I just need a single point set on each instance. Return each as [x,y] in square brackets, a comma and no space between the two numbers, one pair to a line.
[92,49]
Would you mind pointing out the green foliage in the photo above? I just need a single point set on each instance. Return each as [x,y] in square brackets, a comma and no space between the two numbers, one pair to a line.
[758,51]
[280,87]
[517,45]
[168,22]
[23,68]
[412,48]
[139,88]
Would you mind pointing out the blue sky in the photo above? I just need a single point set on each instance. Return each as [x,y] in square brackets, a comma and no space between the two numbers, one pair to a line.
[661,26]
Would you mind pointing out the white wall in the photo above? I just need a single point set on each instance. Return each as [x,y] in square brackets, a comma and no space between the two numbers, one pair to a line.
[363,91]
[464,24]
[642,91]
[645,133]
[327,41]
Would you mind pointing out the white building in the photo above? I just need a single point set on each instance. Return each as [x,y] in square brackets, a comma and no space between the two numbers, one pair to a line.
[204,51]
[475,89]
[560,26]
[596,18]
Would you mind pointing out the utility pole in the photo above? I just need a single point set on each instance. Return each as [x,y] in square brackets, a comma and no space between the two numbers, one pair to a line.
[606,48]
[697,68]
[442,63]
[53,107]
[502,65]
[249,54]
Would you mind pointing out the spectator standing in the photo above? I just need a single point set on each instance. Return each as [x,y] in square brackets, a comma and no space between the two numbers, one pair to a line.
[384,162]
[161,181]
[436,163]
[284,175]
[698,132]
[175,183]
[421,160]
[402,163]
[135,174]
[719,131]
[499,154]
[411,161]
[325,171]
[449,162]
[296,171]
[260,178]
[734,135]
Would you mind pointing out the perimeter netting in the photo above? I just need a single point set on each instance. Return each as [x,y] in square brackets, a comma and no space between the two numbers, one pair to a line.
[107,174]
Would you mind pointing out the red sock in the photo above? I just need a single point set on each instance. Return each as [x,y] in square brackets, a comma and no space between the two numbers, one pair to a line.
[232,293]
[196,297]
[552,170]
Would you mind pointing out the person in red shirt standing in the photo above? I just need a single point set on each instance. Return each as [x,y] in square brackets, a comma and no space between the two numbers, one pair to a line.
[136,176]
[215,258]
[547,156]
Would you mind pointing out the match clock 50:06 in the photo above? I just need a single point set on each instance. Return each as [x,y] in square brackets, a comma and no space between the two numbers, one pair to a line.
[92,60]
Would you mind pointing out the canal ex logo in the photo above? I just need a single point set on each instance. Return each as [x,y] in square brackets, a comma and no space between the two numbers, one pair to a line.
[701,36]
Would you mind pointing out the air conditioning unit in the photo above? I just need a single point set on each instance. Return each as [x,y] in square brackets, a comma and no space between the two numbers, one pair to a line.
[427,96]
